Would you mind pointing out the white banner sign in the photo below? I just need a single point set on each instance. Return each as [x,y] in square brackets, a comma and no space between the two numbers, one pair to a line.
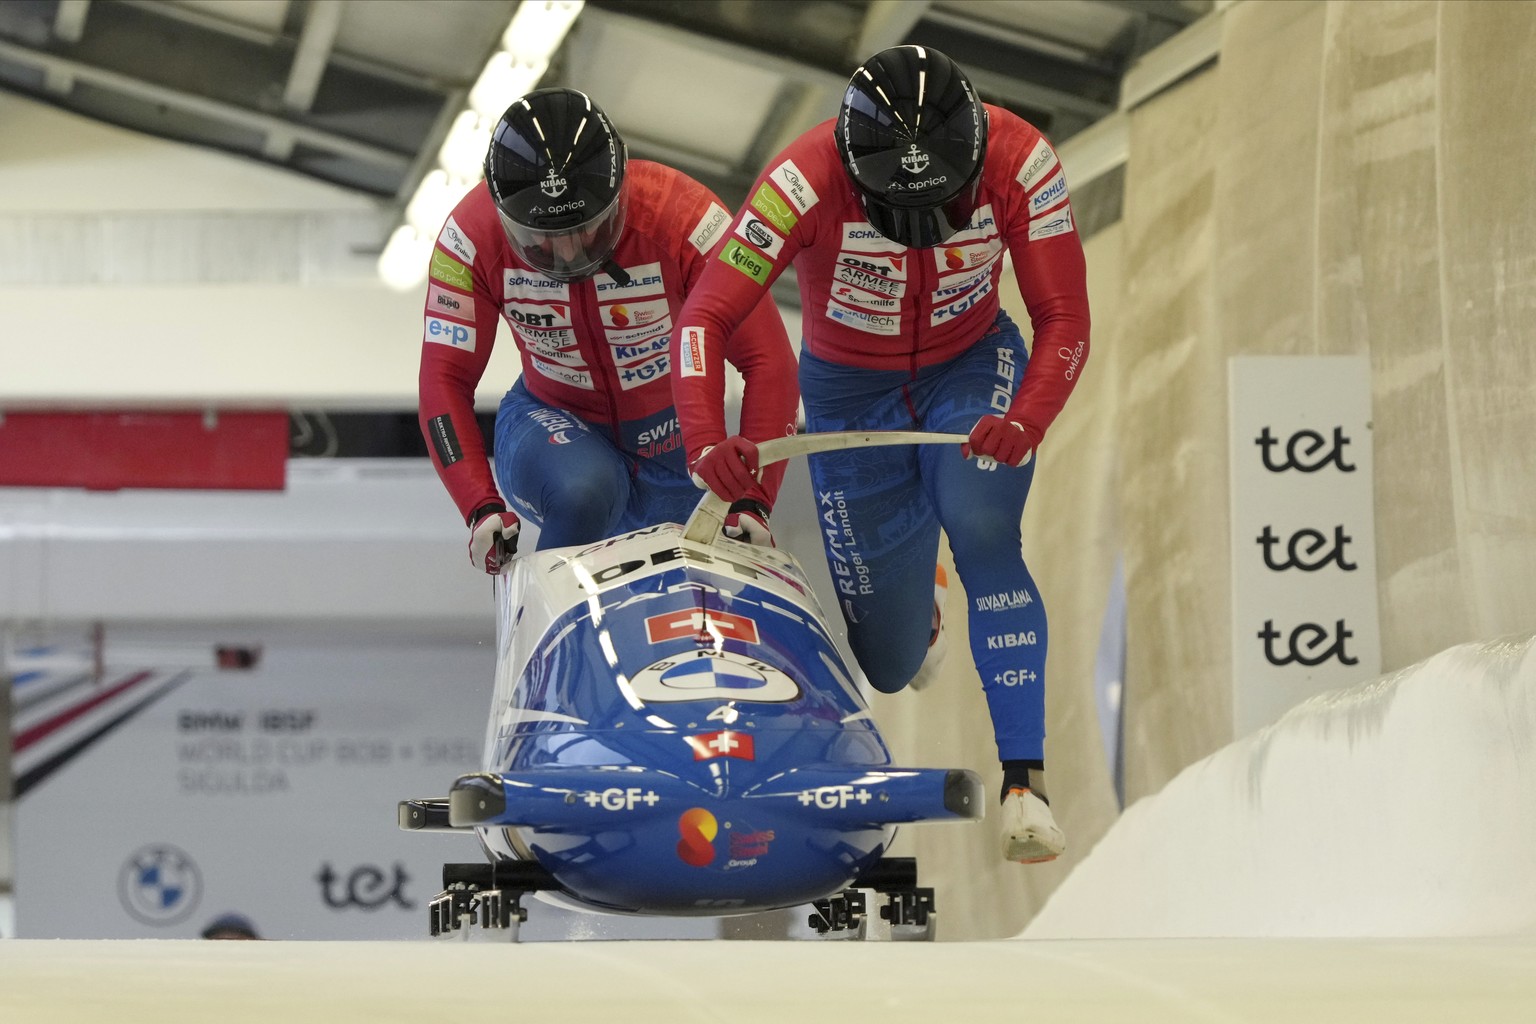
[1304,612]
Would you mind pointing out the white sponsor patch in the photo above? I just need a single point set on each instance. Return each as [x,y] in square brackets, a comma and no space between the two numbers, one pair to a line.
[450,303]
[861,236]
[943,314]
[641,335]
[982,227]
[708,228]
[691,347]
[565,375]
[870,282]
[640,349]
[952,259]
[654,368]
[792,183]
[756,232]
[1039,163]
[1057,222]
[1052,192]
[847,293]
[457,242]
[872,323]
[556,346]
[542,316]
[530,284]
[446,332]
[626,316]
[959,285]
[893,267]
[643,280]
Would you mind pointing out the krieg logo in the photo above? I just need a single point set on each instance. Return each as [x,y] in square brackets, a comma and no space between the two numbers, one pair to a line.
[366,887]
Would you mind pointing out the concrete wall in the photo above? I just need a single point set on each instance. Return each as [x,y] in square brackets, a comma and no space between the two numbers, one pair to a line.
[1349,178]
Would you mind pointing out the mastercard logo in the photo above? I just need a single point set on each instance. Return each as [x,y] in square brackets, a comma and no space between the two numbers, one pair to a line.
[698,829]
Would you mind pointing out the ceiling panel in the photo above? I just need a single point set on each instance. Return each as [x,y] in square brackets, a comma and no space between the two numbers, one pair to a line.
[361,92]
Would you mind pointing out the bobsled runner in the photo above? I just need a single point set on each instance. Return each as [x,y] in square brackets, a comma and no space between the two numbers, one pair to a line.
[673,732]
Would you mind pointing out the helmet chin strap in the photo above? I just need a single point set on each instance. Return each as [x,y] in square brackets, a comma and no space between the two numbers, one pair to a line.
[616,272]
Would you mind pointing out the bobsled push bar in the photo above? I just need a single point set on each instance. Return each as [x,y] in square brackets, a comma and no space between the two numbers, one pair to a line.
[708,518]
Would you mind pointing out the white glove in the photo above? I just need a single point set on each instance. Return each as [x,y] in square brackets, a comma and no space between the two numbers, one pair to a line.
[492,537]
[748,521]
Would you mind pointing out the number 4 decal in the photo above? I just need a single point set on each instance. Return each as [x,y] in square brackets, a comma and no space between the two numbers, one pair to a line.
[725,713]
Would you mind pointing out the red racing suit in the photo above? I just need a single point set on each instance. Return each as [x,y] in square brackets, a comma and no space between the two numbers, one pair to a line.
[594,347]
[870,302]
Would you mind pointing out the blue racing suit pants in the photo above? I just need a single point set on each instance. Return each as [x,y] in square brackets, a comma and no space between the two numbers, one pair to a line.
[881,509]
[579,482]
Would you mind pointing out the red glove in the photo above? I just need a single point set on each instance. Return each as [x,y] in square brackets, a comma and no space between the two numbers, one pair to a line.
[729,468]
[492,537]
[997,437]
[748,521]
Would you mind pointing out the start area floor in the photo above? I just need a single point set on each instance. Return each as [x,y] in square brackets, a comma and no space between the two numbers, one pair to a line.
[1285,981]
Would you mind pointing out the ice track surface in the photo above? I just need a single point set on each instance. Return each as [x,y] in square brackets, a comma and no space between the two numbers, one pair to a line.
[1402,981]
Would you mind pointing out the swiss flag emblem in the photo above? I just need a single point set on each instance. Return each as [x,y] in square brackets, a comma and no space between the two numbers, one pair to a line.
[701,624]
[722,744]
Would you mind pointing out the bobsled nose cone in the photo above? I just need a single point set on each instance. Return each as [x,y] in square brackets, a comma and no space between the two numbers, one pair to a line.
[476,798]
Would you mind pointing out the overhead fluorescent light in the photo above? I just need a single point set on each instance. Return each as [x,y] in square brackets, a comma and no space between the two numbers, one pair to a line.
[531,39]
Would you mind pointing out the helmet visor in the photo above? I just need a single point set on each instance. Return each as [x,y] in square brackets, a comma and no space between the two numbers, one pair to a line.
[923,227]
[573,252]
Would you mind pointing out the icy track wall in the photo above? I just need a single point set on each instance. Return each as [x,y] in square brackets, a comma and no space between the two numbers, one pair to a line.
[1402,807]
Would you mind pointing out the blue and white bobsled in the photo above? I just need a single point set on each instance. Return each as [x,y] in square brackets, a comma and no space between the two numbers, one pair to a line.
[674,732]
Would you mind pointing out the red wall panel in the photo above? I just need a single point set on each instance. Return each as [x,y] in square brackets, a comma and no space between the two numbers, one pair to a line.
[106,451]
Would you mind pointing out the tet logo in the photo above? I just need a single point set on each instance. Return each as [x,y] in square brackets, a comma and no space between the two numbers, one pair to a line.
[1307,644]
[1305,450]
[1306,558]
[365,886]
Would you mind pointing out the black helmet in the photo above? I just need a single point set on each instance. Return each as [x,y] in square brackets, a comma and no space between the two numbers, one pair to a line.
[913,135]
[556,172]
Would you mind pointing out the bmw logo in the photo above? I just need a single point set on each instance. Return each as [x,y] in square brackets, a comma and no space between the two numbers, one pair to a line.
[159,885]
